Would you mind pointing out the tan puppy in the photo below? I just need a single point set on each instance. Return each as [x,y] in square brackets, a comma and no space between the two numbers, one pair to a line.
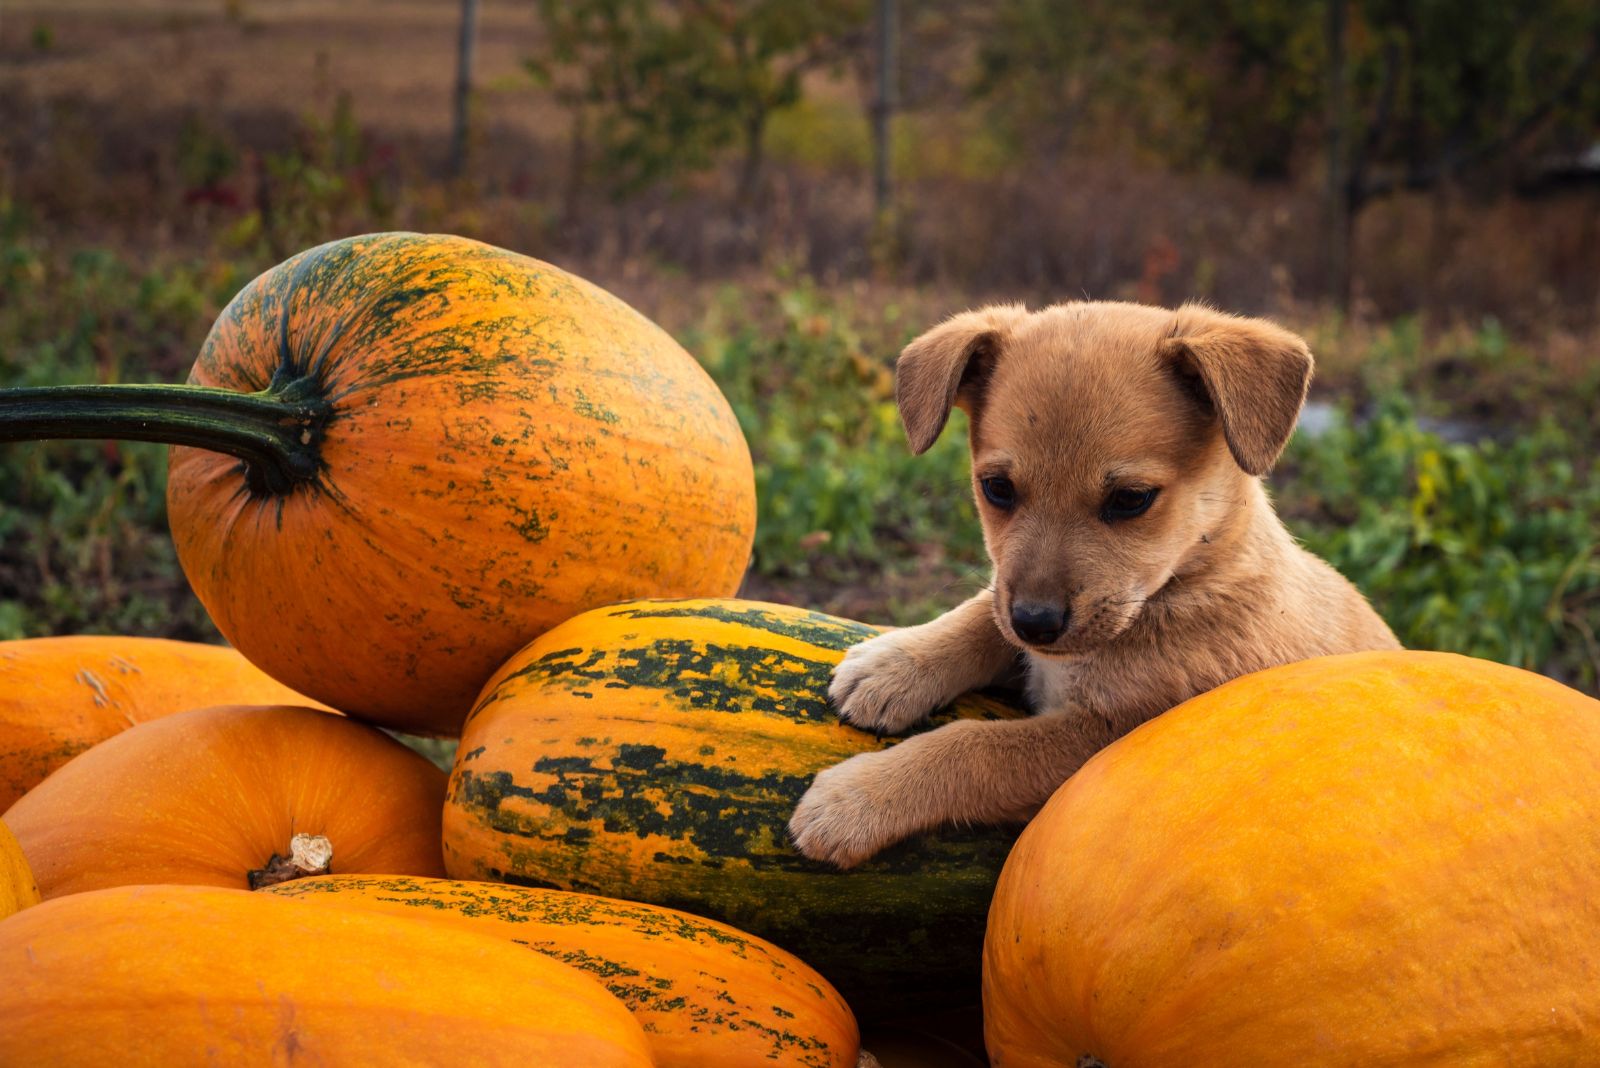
[1117,455]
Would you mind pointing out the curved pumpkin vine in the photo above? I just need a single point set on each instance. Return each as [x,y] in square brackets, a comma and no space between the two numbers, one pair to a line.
[276,433]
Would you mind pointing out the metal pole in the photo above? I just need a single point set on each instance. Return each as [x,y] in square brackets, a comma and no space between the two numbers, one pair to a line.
[1338,119]
[469,35]
[884,104]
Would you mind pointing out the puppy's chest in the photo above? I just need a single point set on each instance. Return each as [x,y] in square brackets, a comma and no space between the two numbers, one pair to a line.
[1055,685]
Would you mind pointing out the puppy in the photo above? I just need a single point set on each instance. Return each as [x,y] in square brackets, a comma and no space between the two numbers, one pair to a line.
[1117,456]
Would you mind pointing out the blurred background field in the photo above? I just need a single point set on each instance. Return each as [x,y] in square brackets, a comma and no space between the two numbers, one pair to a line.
[1415,186]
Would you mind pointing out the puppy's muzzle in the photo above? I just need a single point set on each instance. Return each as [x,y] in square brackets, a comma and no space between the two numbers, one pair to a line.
[1038,624]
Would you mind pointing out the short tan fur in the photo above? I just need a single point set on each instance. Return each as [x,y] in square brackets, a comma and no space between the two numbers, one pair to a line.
[1117,455]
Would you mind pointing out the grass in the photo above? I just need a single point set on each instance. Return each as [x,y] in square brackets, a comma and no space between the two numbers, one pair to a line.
[1485,548]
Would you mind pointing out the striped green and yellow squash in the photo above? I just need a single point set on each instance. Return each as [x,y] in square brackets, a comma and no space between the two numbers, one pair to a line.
[654,750]
[707,995]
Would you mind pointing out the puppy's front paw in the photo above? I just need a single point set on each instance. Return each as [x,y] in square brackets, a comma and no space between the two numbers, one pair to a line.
[881,687]
[839,820]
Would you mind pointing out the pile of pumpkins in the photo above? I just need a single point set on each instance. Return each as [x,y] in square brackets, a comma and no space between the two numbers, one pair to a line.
[432,486]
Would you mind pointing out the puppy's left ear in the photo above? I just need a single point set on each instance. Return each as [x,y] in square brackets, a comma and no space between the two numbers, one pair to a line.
[1251,373]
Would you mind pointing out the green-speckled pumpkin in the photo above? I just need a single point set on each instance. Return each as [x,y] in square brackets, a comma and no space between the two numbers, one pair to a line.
[706,994]
[431,450]
[655,750]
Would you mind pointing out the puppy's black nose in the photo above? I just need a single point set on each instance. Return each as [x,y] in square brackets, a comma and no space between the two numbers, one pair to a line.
[1038,624]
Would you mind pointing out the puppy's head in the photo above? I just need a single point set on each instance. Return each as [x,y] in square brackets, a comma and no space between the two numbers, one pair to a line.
[1113,448]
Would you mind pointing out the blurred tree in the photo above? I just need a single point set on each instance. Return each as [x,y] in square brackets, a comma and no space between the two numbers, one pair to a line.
[1417,93]
[1407,94]
[1076,75]
[660,87]
[1448,87]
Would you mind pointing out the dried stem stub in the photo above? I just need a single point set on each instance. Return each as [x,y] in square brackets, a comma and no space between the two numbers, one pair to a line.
[309,854]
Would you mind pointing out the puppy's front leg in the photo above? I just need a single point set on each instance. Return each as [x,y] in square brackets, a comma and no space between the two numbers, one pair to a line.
[888,683]
[970,771]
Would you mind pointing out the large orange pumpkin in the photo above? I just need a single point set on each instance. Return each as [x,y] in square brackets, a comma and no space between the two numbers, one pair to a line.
[213,795]
[1381,858]
[429,451]
[169,975]
[707,995]
[17,888]
[59,696]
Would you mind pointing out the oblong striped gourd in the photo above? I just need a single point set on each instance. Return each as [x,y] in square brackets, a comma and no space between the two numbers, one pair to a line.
[654,750]
[706,994]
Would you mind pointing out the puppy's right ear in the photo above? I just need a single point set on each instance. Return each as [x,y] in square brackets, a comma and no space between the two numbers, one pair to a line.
[947,367]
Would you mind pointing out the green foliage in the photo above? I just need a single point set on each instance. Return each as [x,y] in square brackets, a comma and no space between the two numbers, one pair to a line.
[1468,70]
[663,88]
[1080,74]
[206,157]
[822,133]
[321,187]
[83,540]
[836,486]
[836,134]
[1489,549]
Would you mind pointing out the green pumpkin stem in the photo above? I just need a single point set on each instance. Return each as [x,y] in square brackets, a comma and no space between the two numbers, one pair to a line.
[276,432]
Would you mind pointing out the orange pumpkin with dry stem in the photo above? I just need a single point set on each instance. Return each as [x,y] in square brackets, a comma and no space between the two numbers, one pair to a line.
[230,797]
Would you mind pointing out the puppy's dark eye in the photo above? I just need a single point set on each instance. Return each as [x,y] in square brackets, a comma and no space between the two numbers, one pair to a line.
[1127,503]
[999,491]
